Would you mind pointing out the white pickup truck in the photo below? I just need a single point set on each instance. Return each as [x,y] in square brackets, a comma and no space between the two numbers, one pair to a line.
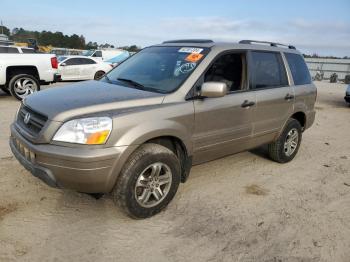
[22,74]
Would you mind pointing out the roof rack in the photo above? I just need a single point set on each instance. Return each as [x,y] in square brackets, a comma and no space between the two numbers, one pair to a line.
[198,41]
[265,42]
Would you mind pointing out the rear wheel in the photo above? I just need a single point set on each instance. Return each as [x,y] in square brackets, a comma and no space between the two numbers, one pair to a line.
[287,145]
[148,182]
[23,85]
[99,75]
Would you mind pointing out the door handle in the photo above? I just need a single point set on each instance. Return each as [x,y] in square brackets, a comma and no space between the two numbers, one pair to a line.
[288,97]
[247,103]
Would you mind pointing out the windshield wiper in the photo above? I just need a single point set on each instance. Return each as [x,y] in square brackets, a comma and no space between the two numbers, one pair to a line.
[134,83]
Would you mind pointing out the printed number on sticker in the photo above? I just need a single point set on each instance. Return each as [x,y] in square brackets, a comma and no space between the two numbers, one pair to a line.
[191,50]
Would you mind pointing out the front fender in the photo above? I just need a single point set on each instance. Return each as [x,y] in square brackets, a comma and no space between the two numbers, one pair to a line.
[153,129]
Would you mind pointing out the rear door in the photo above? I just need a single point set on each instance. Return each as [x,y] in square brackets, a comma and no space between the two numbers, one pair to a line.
[87,68]
[274,94]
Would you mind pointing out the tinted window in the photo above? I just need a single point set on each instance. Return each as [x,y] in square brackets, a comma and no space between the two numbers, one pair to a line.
[73,61]
[3,49]
[86,61]
[300,72]
[267,70]
[9,50]
[12,50]
[97,54]
[28,51]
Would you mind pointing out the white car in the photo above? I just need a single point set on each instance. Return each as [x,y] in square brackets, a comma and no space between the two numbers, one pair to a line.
[81,68]
[103,54]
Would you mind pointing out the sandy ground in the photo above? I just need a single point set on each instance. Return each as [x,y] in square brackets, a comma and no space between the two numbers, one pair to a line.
[239,208]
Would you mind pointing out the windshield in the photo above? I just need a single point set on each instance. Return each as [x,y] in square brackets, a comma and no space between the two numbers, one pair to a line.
[158,69]
[61,58]
[88,52]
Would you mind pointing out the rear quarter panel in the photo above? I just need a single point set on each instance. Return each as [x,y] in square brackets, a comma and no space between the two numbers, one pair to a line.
[305,98]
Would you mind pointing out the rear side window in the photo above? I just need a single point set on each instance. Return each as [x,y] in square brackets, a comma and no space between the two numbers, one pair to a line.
[300,72]
[73,61]
[3,49]
[267,70]
[8,50]
[28,51]
[12,50]
[86,61]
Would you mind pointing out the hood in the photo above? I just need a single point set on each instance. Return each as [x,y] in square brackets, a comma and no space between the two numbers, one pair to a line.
[60,103]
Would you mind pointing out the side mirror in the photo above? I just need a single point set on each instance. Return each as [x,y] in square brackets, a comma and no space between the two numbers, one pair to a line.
[63,64]
[213,89]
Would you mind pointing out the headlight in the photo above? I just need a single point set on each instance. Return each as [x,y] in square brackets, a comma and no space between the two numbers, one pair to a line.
[89,131]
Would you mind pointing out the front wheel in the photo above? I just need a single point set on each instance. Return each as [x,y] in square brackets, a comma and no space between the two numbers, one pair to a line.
[23,85]
[287,145]
[148,182]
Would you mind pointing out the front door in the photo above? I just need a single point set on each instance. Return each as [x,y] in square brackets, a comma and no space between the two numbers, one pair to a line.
[224,125]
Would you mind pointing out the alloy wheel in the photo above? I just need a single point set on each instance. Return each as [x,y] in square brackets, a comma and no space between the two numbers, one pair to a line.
[153,184]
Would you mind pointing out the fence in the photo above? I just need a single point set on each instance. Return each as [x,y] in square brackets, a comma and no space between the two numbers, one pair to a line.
[328,66]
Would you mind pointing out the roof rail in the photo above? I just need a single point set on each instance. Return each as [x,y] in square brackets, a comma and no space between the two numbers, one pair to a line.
[265,42]
[198,41]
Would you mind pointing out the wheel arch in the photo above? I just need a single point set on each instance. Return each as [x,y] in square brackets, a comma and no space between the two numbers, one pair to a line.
[171,140]
[300,116]
[12,71]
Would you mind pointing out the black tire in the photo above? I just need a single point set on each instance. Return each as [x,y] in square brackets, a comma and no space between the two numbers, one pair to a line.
[5,89]
[277,150]
[124,192]
[20,95]
[99,75]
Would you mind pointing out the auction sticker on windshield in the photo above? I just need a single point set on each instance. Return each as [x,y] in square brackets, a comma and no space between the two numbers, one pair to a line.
[193,57]
[193,50]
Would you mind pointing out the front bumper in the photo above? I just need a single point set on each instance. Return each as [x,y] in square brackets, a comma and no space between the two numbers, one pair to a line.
[82,169]
[347,98]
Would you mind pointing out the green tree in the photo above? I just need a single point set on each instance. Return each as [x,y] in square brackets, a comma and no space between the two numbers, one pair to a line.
[4,30]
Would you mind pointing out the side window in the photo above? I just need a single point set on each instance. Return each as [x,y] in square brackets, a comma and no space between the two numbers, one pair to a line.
[12,50]
[72,61]
[3,49]
[267,70]
[298,67]
[28,51]
[86,61]
[228,69]
[97,54]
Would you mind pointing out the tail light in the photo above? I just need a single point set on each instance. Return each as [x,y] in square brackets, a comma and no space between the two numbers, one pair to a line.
[54,62]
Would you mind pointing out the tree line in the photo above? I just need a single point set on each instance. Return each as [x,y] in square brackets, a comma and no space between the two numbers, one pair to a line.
[57,39]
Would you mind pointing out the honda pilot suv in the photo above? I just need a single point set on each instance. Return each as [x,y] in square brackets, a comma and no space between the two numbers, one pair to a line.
[137,132]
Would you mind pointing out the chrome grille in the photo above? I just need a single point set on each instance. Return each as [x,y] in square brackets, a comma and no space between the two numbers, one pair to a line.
[34,123]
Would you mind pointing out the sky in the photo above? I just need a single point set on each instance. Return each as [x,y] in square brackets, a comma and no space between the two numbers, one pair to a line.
[321,27]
